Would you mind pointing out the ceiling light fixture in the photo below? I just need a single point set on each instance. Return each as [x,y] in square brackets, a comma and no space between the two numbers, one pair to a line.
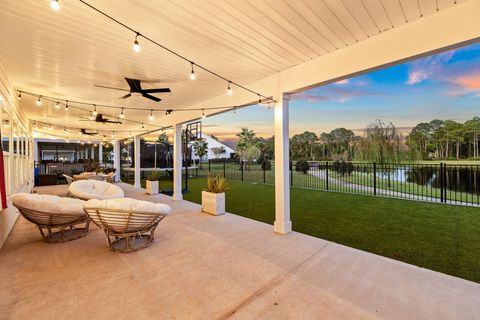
[203,114]
[192,73]
[19,97]
[94,110]
[122,115]
[66,106]
[229,89]
[136,46]
[55,5]
[39,101]
[151,117]
[57,105]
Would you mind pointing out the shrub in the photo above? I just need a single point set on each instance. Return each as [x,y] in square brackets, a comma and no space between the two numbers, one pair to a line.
[266,165]
[153,176]
[302,166]
[343,167]
[216,184]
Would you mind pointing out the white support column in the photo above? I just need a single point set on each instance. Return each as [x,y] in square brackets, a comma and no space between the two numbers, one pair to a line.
[137,161]
[282,223]
[92,155]
[177,163]
[100,152]
[116,160]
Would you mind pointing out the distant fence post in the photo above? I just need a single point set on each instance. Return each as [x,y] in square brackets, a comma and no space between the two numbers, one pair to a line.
[224,167]
[209,168]
[326,174]
[263,173]
[241,169]
[291,173]
[374,178]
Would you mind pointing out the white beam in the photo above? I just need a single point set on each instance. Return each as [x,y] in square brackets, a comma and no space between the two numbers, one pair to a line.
[100,153]
[282,223]
[177,163]
[138,165]
[116,159]
[92,156]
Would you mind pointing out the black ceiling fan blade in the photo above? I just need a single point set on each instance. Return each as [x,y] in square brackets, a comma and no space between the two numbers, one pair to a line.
[134,84]
[159,90]
[149,96]
[105,87]
[128,95]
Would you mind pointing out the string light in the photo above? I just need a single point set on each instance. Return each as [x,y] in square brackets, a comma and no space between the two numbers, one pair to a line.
[122,115]
[118,122]
[19,97]
[66,106]
[143,127]
[57,105]
[192,73]
[35,124]
[136,46]
[94,110]
[259,99]
[203,114]
[55,5]
[229,89]
[39,101]
[151,117]
[91,116]
[113,134]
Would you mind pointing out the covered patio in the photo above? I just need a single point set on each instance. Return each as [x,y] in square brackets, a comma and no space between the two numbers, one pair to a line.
[74,72]
[201,267]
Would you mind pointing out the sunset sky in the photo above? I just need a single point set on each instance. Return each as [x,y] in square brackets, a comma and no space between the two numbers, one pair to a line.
[442,86]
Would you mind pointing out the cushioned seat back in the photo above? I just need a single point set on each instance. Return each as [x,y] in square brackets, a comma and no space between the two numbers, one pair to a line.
[92,189]
[125,214]
[48,209]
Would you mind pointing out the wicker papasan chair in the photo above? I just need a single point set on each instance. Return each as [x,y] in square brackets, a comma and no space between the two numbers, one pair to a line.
[58,219]
[93,189]
[129,224]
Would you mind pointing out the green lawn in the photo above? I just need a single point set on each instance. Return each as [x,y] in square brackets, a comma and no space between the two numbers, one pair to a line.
[440,237]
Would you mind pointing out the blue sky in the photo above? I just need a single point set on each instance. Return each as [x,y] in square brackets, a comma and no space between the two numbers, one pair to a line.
[441,86]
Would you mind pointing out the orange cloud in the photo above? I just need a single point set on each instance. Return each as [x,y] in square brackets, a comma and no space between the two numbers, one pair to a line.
[469,81]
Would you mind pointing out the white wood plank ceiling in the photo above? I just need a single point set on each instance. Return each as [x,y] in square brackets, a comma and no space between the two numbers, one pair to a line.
[66,53]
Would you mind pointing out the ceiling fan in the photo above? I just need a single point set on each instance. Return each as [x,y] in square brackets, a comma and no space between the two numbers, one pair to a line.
[136,90]
[84,131]
[101,119]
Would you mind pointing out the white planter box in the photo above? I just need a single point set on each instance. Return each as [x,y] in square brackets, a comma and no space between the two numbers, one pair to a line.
[152,187]
[213,203]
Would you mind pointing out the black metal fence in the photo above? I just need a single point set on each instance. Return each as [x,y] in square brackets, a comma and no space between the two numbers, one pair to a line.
[67,168]
[441,182]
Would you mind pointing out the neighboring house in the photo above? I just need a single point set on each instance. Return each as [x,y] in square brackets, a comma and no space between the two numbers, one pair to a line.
[212,143]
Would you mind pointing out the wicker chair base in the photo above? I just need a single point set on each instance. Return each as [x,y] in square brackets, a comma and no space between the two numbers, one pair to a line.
[64,233]
[130,242]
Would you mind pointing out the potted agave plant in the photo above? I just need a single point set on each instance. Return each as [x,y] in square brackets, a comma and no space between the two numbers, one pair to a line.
[152,183]
[213,198]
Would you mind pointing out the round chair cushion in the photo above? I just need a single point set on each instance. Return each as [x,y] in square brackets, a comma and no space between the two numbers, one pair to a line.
[93,189]
[49,204]
[128,204]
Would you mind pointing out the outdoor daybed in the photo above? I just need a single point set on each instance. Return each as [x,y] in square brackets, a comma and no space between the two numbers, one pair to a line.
[57,218]
[129,224]
[92,189]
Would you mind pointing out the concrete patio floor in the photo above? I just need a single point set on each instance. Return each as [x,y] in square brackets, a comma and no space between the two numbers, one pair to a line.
[206,267]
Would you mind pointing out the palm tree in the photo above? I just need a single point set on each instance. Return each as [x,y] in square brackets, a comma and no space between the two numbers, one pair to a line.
[246,136]
[200,147]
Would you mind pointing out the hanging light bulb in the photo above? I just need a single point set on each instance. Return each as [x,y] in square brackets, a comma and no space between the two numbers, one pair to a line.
[118,122]
[151,117]
[122,115]
[143,127]
[57,105]
[259,99]
[35,124]
[39,101]
[136,46]
[192,73]
[19,97]
[229,89]
[66,106]
[203,114]
[91,116]
[55,5]
[94,110]
[113,134]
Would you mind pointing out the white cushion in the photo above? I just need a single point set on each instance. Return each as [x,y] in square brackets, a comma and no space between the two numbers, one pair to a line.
[49,203]
[128,204]
[93,189]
